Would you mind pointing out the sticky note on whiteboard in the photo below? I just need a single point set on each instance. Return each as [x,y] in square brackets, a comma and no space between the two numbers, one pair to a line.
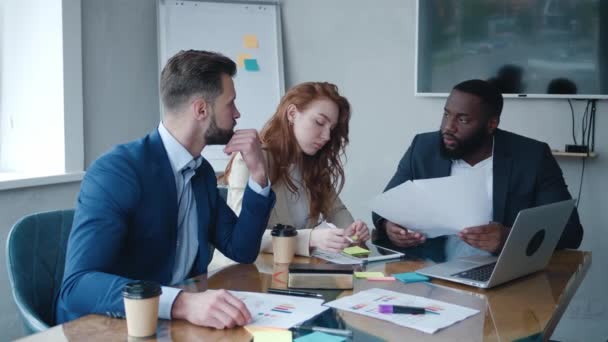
[251,64]
[240,59]
[250,41]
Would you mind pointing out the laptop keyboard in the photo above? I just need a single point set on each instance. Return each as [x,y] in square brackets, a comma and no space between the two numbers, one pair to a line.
[481,273]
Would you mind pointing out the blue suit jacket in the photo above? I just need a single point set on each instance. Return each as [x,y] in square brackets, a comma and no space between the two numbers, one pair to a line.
[525,175]
[125,227]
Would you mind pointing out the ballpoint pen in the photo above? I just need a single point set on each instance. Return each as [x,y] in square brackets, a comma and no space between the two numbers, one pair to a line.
[295,293]
[340,332]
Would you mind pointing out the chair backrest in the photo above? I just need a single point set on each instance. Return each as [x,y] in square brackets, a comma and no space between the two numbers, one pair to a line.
[35,257]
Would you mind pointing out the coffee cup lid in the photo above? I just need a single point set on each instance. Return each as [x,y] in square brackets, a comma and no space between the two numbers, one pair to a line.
[283,230]
[141,290]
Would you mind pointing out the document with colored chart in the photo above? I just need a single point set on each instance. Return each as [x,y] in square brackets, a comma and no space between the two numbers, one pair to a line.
[279,311]
[439,314]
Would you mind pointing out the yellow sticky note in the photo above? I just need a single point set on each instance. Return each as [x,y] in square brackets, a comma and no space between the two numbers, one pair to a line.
[363,275]
[250,41]
[272,336]
[355,250]
[240,59]
[252,329]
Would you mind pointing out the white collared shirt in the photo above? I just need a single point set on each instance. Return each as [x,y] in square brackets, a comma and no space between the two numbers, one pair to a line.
[454,246]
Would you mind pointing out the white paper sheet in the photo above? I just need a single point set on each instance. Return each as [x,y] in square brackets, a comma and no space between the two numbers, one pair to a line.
[279,311]
[367,302]
[437,206]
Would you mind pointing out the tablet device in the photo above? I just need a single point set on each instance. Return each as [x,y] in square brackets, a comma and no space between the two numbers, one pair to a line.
[376,253]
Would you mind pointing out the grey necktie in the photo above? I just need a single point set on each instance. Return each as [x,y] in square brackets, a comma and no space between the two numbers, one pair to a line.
[187,239]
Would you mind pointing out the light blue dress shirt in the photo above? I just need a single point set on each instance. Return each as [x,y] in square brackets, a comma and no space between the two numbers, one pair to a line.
[187,235]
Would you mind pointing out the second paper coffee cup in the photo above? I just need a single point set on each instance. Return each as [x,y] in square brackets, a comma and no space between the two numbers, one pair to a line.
[141,307]
[283,243]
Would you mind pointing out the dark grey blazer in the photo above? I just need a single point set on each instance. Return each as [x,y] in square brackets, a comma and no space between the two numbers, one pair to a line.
[525,175]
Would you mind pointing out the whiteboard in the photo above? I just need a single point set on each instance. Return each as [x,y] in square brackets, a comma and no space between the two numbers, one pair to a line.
[234,29]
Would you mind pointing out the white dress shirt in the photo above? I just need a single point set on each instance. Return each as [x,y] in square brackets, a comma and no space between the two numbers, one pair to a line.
[455,247]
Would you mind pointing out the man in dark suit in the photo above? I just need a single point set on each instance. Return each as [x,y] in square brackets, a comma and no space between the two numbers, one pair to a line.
[520,173]
[150,209]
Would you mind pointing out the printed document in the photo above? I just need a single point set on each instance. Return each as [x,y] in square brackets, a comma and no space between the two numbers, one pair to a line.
[439,314]
[437,206]
[279,311]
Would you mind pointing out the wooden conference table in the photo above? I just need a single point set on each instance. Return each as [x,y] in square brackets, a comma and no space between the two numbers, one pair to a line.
[529,306]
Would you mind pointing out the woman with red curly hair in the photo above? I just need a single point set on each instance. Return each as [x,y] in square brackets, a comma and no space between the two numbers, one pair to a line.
[303,143]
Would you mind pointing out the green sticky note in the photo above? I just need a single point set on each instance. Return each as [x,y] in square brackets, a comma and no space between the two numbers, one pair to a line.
[368,274]
[320,337]
[251,64]
[410,277]
[272,336]
[355,250]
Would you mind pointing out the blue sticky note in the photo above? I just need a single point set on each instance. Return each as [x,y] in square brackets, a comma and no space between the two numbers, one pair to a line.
[410,277]
[251,64]
[320,337]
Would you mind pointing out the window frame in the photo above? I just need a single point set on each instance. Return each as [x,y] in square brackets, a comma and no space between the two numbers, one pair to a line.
[73,171]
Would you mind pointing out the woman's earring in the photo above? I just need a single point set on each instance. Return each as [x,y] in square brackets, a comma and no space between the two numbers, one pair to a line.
[290,123]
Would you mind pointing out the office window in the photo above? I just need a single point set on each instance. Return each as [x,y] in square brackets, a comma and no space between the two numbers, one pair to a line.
[40,90]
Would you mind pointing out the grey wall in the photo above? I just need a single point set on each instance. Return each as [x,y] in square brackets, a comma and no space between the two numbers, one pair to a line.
[120,72]
[367,48]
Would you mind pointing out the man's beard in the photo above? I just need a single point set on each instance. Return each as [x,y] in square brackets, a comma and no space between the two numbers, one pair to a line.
[464,147]
[216,135]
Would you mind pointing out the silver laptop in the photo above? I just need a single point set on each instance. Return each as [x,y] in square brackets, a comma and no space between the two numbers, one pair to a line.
[528,249]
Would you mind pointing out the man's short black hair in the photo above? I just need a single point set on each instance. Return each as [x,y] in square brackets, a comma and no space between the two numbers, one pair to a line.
[488,93]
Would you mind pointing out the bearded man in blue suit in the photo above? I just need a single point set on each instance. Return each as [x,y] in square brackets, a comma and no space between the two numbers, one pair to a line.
[150,209]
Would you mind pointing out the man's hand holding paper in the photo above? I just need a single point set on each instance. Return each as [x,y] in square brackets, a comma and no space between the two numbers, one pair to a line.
[403,237]
[489,237]
[437,206]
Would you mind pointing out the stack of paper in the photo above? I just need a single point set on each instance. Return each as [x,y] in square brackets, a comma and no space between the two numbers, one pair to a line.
[437,206]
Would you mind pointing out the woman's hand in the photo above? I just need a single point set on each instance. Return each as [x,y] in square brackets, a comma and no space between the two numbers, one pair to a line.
[358,232]
[329,239]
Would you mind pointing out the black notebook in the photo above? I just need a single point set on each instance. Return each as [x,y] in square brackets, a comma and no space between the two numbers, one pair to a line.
[320,276]
[321,268]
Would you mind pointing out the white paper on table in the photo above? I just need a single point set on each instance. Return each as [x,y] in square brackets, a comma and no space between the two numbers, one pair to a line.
[279,311]
[367,302]
[437,206]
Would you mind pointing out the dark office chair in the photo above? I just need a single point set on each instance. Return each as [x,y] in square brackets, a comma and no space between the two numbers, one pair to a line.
[35,258]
